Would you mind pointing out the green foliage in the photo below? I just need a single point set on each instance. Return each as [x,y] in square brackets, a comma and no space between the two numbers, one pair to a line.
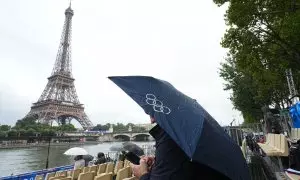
[100,127]
[48,132]
[21,132]
[12,133]
[67,128]
[30,132]
[25,123]
[119,127]
[263,41]
[4,128]
[3,134]
[28,127]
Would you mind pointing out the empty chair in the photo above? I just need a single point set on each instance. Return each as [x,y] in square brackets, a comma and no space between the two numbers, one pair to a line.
[284,148]
[123,173]
[276,145]
[93,168]
[39,177]
[66,178]
[61,173]
[69,173]
[57,178]
[75,174]
[101,168]
[109,168]
[104,176]
[86,169]
[130,173]
[268,138]
[49,175]
[126,163]
[86,176]
[119,165]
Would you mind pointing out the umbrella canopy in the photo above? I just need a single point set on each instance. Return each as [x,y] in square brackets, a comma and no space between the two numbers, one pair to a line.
[76,151]
[128,146]
[88,157]
[118,147]
[187,123]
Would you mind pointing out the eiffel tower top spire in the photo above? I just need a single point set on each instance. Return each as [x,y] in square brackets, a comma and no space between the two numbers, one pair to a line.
[63,62]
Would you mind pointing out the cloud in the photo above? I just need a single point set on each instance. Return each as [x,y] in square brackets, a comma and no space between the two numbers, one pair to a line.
[178,41]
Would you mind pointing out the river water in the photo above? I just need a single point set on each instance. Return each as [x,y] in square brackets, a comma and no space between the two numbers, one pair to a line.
[22,160]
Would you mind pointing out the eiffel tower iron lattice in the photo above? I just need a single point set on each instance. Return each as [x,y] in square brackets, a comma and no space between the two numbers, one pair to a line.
[59,100]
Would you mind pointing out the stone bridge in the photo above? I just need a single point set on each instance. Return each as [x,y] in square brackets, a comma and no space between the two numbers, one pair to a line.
[131,135]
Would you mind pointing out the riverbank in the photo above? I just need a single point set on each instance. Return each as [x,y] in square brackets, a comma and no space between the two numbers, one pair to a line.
[33,145]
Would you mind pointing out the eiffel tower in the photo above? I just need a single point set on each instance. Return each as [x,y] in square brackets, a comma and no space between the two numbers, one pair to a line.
[59,101]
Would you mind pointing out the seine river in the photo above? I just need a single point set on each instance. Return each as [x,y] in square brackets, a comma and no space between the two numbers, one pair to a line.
[22,160]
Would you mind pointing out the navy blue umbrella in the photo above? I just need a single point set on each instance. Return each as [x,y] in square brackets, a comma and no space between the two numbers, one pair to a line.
[187,123]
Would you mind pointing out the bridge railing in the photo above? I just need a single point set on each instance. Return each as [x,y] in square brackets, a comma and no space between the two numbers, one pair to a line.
[120,132]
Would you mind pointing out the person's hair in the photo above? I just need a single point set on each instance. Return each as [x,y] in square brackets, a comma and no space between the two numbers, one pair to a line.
[80,157]
[100,154]
[76,158]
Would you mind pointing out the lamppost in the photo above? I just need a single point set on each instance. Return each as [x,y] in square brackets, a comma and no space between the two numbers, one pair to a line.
[48,153]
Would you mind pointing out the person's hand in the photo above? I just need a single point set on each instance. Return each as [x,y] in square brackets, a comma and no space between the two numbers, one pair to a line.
[139,170]
[149,160]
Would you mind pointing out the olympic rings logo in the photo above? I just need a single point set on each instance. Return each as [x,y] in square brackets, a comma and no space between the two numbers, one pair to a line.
[158,106]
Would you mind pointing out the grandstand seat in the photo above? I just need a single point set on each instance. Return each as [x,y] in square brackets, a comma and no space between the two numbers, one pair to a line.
[275,145]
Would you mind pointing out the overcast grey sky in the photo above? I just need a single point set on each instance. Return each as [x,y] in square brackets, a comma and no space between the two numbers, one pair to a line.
[178,41]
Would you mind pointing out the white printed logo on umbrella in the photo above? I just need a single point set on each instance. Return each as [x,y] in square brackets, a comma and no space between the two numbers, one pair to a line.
[157,105]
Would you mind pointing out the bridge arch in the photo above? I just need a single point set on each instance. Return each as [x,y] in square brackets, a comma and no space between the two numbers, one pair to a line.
[141,136]
[124,137]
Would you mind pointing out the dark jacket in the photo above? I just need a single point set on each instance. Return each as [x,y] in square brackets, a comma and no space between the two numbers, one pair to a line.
[100,160]
[171,163]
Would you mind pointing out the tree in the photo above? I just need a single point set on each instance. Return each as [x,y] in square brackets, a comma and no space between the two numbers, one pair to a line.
[119,127]
[21,132]
[26,123]
[262,39]
[129,124]
[2,134]
[30,132]
[12,133]
[4,128]
[100,127]
[138,129]
[67,128]
[48,132]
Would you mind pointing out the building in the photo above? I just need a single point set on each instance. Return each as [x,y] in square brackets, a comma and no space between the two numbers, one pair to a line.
[146,126]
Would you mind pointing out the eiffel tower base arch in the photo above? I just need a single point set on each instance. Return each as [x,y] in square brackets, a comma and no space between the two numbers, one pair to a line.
[50,111]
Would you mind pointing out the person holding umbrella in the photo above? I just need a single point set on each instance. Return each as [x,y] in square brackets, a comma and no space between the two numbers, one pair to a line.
[79,162]
[79,156]
[171,162]
[190,144]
